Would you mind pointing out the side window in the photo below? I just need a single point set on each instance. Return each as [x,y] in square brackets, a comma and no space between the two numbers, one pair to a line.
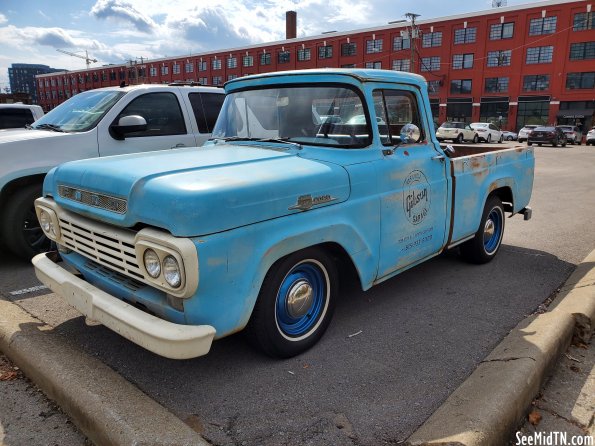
[161,111]
[206,107]
[11,118]
[400,109]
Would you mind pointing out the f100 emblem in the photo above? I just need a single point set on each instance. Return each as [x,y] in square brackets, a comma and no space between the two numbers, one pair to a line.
[305,202]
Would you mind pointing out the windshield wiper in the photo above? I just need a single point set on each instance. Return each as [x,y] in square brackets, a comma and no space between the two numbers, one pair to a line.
[281,140]
[245,138]
[54,127]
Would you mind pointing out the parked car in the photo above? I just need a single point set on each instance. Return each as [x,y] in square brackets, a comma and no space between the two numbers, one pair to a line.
[573,134]
[456,132]
[95,123]
[524,132]
[487,132]
[14,116]
[509,136]
[547,135]
[591,136]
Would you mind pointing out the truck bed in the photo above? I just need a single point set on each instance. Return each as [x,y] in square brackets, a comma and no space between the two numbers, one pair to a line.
[474,149]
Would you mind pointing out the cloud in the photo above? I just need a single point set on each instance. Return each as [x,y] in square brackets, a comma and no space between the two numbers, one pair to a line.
[121,10]
[3,19]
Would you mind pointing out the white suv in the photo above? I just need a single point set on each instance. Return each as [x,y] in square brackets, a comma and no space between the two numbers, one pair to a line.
[525,132]
[591,137]
[13,116]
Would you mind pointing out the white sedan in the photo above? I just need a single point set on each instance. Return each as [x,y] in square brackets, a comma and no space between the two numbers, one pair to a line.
[457,132]
[487,132]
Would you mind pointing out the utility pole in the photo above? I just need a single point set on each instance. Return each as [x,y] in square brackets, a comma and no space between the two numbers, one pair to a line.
[413,35]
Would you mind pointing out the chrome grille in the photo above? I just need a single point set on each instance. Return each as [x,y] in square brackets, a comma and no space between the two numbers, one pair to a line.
[93,199]
[109,247]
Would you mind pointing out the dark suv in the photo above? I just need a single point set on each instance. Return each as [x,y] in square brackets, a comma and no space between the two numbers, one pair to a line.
[547,135]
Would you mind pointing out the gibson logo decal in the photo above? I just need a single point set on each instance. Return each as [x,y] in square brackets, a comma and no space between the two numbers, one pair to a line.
[305,202]
[416,197]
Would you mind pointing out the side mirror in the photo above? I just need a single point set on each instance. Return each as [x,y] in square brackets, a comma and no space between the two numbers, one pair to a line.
[410,133]
[128,124]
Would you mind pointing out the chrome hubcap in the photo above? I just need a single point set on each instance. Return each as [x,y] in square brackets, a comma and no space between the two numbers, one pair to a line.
[488,230]
[299,299]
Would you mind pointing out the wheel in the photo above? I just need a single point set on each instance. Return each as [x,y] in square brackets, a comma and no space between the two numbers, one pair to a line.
[475,139]
[21,231]
[295,304]
[539,144]
[509,138]
[577,142]
[564,144]
[500,140]
[489,140]
[529,143]
[521,140]
[555,143]
[459,139]
[485,245]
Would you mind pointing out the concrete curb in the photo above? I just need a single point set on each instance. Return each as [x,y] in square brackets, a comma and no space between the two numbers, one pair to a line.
[490,405]
[105,407]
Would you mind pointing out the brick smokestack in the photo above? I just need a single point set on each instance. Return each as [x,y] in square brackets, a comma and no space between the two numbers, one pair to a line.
[290,25]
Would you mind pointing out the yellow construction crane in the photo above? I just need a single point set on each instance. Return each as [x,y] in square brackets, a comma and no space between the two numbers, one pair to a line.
[86,56]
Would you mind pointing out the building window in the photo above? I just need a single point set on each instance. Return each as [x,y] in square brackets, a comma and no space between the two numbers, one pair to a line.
[189,67]
[432,39]
[303,54]
[348,65]
[202,65]
[433,87]
[540,54]
[538,82]
[232,62]
[325,52]
[175,68]
[373,46]
[284,57]
[580,81]
[465,35]
[460,61]
[217,80]
[499,58]
[501,31]
[248,61]
[584,21]
[374,65]
[496,84]
[164,70]
[460,86]
[430,63]
[543,25]
[399,43]
[153,72]
[231,77]
[265,59]
[216,64]
[533,110]
[402,65]
[348,49]
[582,50]
[203,81]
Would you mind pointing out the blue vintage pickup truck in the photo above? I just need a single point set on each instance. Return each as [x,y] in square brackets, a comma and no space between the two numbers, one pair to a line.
[309,174]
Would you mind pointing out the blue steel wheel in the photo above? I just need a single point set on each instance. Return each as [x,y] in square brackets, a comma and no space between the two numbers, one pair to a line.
[295,304]
[484,246]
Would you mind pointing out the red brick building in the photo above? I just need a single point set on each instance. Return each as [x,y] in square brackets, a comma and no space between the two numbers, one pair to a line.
[513,65]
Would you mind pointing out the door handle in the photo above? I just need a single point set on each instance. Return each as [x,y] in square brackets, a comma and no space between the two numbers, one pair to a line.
[178,145]
[438,157]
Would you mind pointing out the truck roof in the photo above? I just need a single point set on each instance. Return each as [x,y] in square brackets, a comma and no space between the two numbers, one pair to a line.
[361,74]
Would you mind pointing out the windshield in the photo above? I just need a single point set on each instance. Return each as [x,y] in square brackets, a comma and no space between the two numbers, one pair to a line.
[319,115]
[80,113]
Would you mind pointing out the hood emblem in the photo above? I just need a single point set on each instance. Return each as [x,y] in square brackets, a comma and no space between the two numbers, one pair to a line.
[305,202]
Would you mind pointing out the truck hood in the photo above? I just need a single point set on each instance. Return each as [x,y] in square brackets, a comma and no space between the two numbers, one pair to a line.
[198,191]
[16,135]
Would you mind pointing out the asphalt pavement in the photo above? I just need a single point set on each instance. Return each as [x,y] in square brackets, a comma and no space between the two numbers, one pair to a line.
[422,334]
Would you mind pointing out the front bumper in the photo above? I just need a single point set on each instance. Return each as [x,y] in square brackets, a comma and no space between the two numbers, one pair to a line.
[175,341]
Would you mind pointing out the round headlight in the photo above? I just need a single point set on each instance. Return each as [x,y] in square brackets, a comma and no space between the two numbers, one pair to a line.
[152,263]
[45,221]
[171,272]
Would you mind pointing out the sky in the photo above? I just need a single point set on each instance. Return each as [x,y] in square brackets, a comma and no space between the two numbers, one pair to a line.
[115,31]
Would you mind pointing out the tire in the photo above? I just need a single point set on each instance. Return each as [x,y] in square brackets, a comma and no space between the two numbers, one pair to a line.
[529,143]
[489,140]
[555,143]
[459,139]
[500,140]
[283,331]
[564,144]
[485,245]
[21,231]
[521,140]
[475,139]
[509,138]
[539,144]
[578,143]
